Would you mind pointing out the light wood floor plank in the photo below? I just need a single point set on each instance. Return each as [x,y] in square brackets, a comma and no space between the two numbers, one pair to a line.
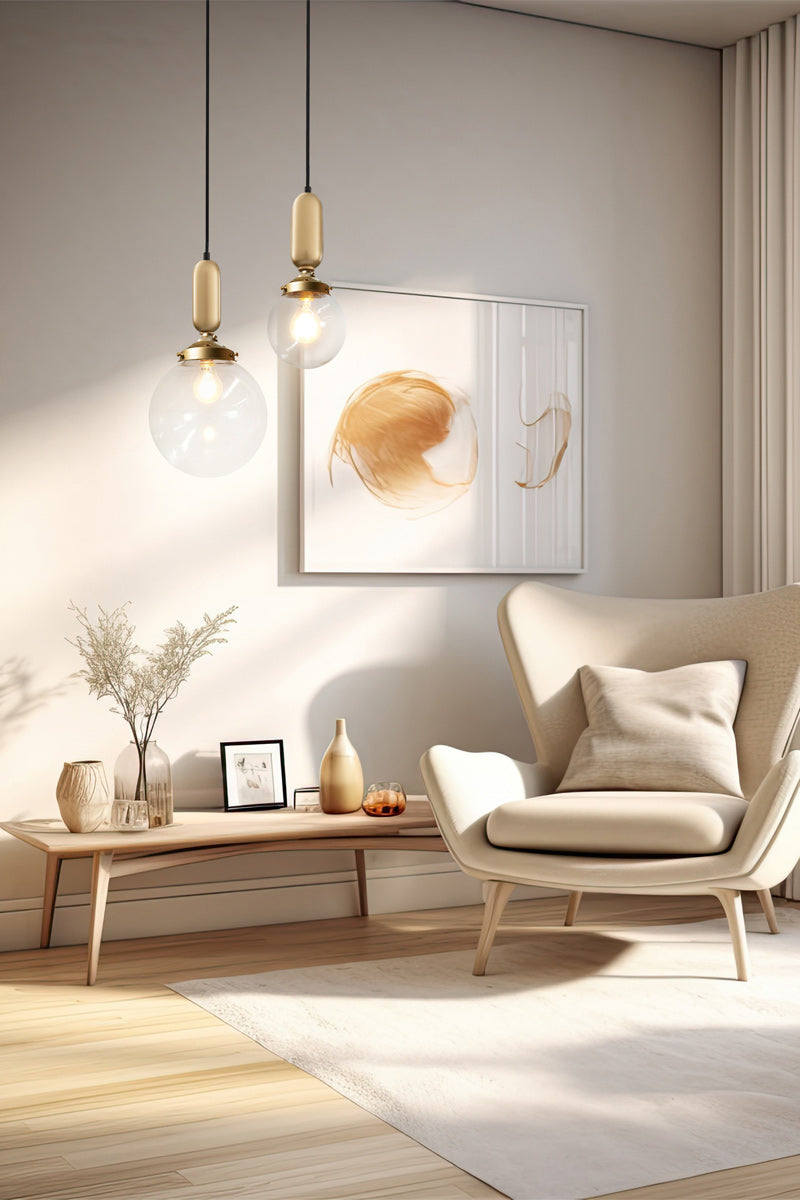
[153,1187]
[126,1091]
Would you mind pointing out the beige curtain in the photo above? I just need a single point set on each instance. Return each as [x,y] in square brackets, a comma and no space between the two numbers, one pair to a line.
[761,310]
[761,316]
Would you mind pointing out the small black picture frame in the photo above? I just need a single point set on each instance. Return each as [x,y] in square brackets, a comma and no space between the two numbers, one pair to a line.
[253,775]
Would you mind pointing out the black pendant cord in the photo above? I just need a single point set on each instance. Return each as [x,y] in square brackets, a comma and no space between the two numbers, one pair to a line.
[208,76]
[308,95]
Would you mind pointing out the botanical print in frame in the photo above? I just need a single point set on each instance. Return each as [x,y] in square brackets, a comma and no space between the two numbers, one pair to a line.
[447,436]
[253,775]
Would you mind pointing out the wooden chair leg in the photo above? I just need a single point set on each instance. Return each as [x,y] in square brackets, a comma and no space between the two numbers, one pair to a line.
[769,911]
[731,901]
[572,907]
[497,896]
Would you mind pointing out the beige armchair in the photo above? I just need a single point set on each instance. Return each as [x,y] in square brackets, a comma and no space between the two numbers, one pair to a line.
[651,842]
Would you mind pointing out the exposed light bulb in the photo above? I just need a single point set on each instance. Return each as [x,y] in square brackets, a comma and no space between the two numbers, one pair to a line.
[208,422]
[306,330]
[207,385]
[306,325]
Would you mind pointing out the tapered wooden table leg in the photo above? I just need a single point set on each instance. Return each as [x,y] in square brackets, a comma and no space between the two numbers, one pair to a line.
[361,876]
[101,874]
[51,875]
[572,907]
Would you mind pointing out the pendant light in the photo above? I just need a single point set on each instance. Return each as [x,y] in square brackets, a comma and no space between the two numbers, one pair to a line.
[208,415]
[306,325]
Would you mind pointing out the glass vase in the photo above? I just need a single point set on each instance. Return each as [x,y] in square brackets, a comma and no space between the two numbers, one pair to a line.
[384,800]
[155,786]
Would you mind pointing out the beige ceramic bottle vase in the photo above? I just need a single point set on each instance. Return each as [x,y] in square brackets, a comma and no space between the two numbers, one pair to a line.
[341,780]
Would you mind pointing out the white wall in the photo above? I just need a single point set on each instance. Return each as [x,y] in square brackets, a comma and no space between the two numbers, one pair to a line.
[455,148]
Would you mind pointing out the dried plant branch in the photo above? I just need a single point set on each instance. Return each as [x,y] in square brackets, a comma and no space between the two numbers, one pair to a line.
[140,684]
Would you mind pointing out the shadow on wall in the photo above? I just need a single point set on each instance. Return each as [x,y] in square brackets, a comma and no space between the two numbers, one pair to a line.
[20,862]
[388,714]
[197,780]
[19,697]
[395,713]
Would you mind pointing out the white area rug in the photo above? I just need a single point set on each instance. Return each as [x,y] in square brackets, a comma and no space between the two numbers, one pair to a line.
[634,1059]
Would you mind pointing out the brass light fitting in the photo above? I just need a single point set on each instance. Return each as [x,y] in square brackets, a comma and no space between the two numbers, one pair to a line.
[306,247]
[206,308]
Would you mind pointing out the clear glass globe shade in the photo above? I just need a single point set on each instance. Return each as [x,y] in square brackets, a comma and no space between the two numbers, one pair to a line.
[306,331]
[208,418]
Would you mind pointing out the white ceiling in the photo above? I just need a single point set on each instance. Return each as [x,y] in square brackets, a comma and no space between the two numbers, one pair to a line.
[714,23]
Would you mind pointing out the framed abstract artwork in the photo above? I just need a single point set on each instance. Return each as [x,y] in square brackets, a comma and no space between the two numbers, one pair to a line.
[447,436]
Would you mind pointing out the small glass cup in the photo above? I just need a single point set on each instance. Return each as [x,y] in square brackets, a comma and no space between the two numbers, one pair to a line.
[129,816]
[384,800]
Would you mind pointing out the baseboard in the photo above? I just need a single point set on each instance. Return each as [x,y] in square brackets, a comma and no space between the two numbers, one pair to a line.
[239,903]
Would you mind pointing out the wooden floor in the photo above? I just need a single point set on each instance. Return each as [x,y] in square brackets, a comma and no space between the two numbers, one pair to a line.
[127,1090]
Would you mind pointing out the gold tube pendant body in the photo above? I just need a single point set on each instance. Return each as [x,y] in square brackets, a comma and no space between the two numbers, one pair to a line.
[307,231]
[206,296]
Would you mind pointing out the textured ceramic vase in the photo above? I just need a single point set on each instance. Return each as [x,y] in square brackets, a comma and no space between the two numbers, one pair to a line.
[82,795]
[157,784]
[341,780]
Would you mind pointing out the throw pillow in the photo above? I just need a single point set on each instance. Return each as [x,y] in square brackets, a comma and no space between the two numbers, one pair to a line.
[659,730]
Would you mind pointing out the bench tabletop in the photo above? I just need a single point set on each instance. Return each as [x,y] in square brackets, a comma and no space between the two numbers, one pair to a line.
[220,829]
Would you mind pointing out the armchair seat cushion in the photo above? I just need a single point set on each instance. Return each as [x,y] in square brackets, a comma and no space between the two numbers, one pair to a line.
[615,823]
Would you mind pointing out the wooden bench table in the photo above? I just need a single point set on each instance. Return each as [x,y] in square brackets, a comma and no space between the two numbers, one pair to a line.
[203,836]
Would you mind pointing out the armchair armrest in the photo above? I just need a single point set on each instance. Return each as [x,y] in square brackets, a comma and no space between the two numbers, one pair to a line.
[463,788]
[767,846]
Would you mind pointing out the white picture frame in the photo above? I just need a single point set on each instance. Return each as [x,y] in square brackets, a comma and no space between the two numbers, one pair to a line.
[512,375]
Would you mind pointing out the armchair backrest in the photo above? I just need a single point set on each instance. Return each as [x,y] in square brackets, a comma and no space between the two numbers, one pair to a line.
[549,633]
